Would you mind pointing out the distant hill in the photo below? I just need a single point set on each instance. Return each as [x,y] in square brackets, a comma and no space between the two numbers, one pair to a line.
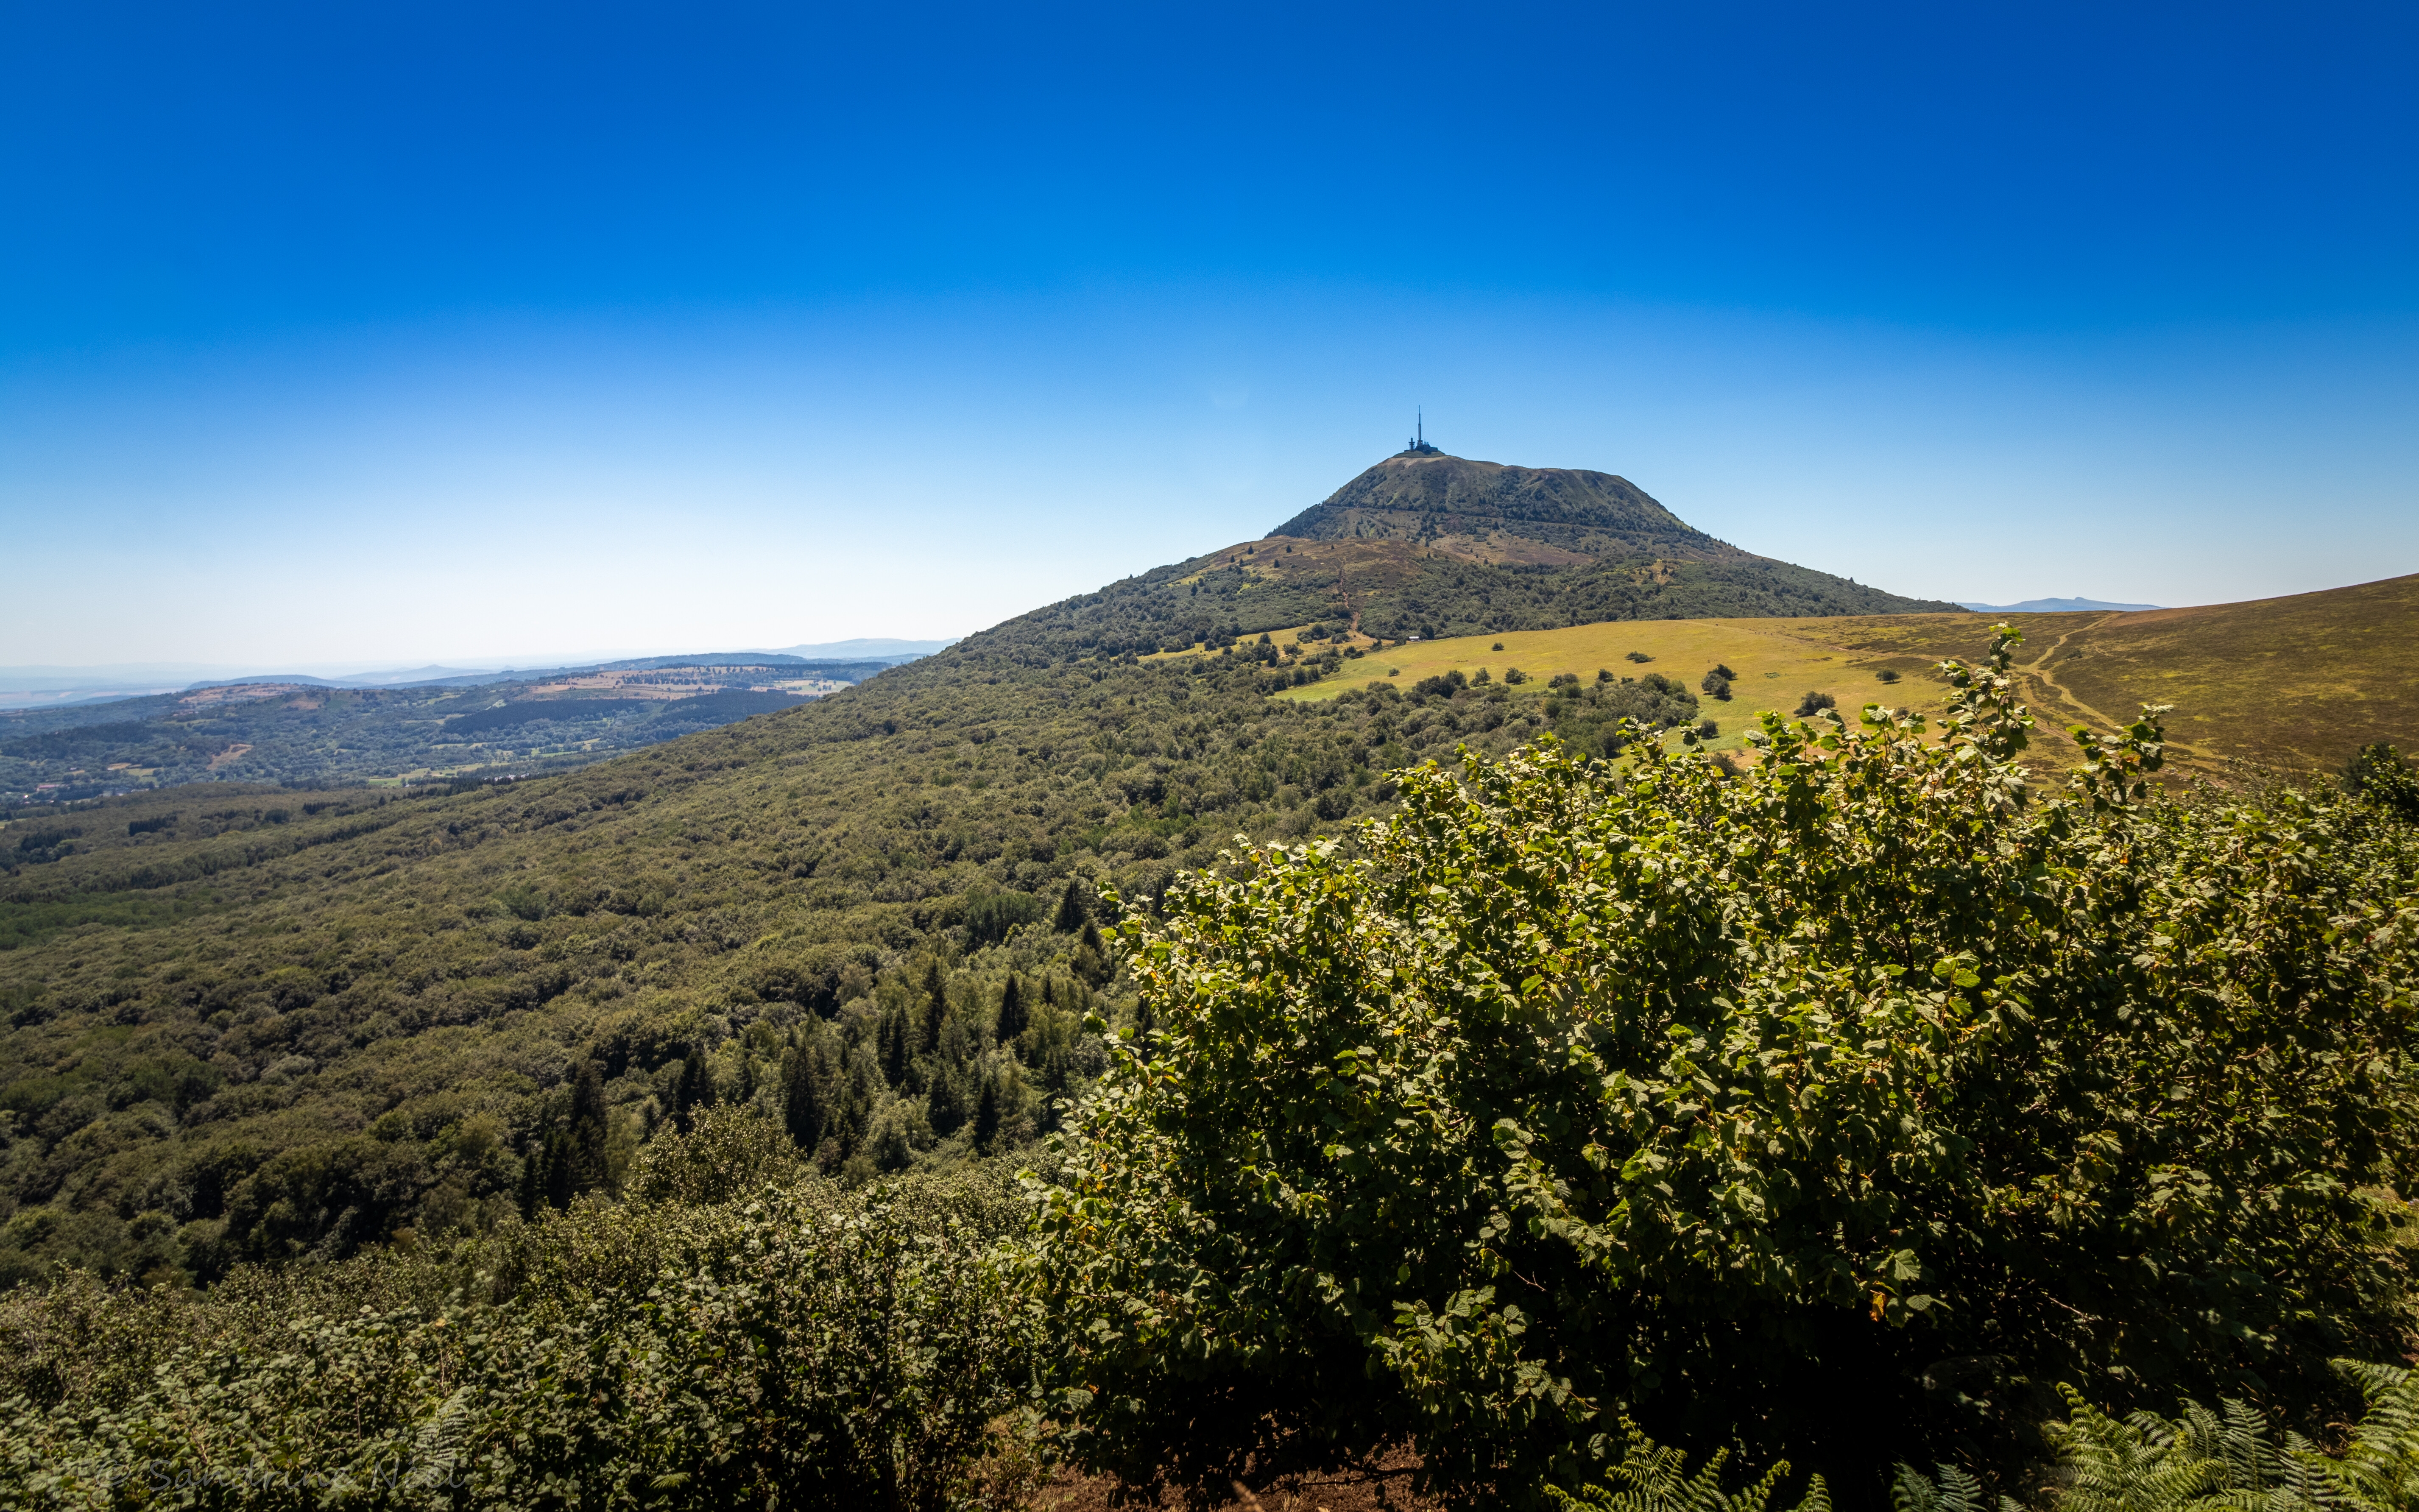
[873,648]
[303,731]
[430,673]
[49,687]
[2055,606]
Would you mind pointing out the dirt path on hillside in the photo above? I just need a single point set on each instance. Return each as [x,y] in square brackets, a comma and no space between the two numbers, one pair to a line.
[2038,669]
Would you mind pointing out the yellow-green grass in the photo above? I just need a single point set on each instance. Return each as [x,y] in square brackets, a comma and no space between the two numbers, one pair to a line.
[2294,685]
[1778,662]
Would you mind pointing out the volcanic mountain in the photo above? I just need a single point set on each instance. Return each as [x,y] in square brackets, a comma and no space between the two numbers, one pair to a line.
[1489,512]
[1427,545]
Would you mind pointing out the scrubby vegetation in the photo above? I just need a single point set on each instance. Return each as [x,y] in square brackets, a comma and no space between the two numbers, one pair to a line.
[1838,1108]
[724,1338]
[251,1025]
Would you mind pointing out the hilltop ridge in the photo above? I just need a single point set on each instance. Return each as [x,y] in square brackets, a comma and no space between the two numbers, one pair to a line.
[1495,512]
[1426,543]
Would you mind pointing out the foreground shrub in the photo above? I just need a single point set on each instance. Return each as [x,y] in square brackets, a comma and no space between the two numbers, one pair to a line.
[2379,774]
[807,1346]
[1831,1107]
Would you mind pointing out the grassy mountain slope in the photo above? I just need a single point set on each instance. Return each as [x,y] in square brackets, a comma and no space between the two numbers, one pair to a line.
[1396,590]
[2295,684]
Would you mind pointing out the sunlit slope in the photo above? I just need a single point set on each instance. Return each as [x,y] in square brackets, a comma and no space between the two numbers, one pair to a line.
[2294,684]
[1777,663]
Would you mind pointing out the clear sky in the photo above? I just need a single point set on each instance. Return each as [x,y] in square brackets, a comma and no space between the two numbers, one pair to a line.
[339,332]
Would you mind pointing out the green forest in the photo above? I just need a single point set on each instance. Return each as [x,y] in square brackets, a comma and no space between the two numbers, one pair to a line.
[1039,1055]
[300,970]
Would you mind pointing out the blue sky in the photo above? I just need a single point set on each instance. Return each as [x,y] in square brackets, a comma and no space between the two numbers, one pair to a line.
[455,332]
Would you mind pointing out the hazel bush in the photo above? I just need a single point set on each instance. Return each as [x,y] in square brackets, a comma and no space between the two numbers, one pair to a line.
[1835,1108]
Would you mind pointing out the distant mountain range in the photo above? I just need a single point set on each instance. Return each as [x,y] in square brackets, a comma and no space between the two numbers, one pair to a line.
[2055,606]
[297,729]
[47,688]
[874,649]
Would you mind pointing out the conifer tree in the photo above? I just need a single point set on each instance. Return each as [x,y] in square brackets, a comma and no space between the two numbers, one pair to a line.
[1092,956]
[803,1109]
[1054,1080]
[1012,1016]
[1071,910]
[891,1048]
[944,1106]
[987,1115]
[560,1173]
[692,1090]
[936,1003]
[533,1187]
[584,1144]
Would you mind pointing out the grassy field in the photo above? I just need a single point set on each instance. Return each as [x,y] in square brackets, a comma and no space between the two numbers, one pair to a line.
[2295,684]
[1778,662]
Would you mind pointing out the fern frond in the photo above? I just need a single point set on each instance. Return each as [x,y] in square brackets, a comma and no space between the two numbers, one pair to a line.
[1956,1491]
[2379,1471]
[2144,1464]
[1913,1491]
[1651,1478]
[437,1445]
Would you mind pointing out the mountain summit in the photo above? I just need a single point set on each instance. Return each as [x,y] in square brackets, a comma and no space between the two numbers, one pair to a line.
[1489,512]
[1427,545]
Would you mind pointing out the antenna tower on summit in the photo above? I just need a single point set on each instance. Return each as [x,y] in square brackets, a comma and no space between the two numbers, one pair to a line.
[1419,446]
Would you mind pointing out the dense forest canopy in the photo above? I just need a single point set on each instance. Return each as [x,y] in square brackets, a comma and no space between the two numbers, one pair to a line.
[220,996]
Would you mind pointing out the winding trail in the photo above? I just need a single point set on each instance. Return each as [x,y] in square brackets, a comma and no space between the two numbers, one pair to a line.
[2038,669]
